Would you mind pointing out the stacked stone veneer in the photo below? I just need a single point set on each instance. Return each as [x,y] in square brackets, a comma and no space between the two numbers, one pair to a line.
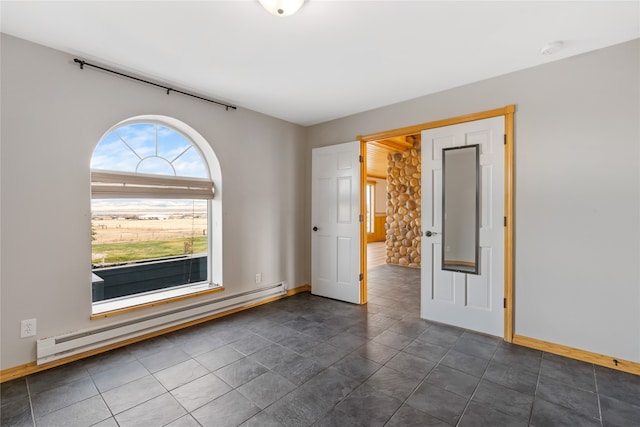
[404,197]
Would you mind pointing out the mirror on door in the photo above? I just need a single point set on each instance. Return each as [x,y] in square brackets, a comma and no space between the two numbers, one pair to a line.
[460,206]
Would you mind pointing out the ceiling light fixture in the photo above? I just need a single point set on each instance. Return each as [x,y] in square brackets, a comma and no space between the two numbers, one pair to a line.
[551,48]
[281,7]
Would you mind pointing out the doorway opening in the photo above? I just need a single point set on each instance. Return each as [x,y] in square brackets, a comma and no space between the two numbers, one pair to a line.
[379,146]
[393,213]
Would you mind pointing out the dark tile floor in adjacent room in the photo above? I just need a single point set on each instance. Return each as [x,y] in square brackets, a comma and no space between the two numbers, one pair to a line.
[307,360]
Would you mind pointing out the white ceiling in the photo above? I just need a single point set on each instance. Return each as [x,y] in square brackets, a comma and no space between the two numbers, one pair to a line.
[332,58]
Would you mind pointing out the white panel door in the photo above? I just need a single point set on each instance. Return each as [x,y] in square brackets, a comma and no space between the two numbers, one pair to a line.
[466,300]
[335,212]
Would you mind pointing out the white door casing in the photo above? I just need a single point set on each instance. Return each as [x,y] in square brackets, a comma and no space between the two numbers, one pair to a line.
[335,212]
[469,301]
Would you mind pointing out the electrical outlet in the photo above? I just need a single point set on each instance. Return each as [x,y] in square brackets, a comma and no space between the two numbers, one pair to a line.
[258,278]
[27,328]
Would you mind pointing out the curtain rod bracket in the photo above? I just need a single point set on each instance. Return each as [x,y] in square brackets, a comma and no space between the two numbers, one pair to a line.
[138,79]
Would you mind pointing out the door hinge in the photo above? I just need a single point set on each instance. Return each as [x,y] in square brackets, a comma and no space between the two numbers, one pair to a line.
[505,139]
[361,159]
[505,221]
[361,277]
[504,303]
[361,218]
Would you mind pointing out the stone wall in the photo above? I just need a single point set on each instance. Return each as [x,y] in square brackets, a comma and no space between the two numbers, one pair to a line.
[404,197]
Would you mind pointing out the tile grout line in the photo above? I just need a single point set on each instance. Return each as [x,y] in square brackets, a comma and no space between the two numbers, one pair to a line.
[595,380]
[419,383]
[424,380]
[353,352]
[33,415]
[363,381]
[477,385]
[535,392]
[102,398]
[168,392]
[577,387]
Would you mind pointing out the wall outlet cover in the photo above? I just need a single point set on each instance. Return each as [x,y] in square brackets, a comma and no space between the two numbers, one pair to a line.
[27,328]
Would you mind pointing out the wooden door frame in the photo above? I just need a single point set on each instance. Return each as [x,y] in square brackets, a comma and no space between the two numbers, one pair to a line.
[508,113]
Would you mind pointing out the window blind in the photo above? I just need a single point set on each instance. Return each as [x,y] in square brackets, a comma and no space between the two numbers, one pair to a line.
[125,185]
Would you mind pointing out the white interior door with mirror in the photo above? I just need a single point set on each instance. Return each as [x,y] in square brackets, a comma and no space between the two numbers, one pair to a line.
[471,301]
[335,218]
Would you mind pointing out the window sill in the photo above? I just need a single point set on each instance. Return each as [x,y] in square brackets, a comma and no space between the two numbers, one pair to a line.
[122,305]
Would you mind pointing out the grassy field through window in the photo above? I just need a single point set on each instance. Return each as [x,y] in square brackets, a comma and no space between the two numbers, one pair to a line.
[132,251]
[133,239]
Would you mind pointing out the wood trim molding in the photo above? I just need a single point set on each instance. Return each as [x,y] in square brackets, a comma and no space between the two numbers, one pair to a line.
[31,367]
[363,225]
[393,145]
[583,355]
[376,176]
[416,129]
[509,210]
[155,303]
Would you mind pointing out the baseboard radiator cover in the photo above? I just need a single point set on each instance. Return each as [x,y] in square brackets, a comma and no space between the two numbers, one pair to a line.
[65,345]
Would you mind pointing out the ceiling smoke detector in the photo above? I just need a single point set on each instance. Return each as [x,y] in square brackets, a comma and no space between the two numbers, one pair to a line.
[551,48]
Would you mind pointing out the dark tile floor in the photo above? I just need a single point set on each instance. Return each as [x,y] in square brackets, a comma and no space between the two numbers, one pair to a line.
[307,360]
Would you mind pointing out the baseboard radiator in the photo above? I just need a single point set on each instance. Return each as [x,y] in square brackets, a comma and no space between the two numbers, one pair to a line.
[54,348]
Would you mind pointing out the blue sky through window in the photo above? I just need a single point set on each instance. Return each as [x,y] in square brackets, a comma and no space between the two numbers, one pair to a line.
[148,148]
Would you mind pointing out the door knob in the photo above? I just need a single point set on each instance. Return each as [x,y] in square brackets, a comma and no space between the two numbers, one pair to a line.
[430,233]
[315,228]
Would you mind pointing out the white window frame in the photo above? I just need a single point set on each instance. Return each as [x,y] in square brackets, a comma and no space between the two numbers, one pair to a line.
[150,185]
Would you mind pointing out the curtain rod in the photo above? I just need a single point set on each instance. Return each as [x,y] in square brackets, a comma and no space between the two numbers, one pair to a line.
[168,89]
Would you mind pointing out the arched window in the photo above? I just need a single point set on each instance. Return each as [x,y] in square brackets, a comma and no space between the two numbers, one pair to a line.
[151,193]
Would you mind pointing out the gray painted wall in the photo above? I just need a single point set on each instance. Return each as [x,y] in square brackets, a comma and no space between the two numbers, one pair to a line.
[53,115]
[577,190]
